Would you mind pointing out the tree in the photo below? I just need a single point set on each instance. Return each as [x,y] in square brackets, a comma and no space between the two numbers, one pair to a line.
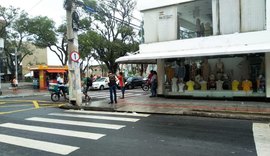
[14,30]
[112,34]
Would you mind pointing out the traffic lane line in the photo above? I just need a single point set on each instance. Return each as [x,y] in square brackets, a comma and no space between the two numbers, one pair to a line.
[28,109]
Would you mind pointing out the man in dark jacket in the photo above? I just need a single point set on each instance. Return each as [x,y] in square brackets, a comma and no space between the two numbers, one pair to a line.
[112,85]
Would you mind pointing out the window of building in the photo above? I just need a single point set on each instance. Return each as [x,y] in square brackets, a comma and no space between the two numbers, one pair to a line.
[195,19]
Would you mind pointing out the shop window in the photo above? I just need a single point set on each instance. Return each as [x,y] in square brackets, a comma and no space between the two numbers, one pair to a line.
[237,75]
[195,19]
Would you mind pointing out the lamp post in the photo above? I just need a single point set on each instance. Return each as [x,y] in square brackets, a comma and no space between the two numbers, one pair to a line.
[16,64]
[1,50]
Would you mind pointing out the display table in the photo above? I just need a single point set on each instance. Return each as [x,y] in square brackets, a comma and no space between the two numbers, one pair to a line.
[217,93]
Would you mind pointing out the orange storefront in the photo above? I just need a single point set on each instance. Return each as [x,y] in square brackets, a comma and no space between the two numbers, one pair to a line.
[45,74]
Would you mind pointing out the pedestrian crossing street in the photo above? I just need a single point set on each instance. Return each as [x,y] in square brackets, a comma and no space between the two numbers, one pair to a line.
[65,118]
[104,94]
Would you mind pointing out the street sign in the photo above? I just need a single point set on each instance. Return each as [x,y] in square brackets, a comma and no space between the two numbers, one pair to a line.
[74,56]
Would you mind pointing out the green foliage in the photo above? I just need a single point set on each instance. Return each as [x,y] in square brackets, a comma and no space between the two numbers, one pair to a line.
[110,34]
[43,31]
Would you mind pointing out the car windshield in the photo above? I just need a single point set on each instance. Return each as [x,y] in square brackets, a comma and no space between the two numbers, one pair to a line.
[100,79]
[129,79]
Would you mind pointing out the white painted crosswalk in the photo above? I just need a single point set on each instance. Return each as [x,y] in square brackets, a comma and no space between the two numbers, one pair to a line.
[77,123]
[261,133]
[65,119]
[96,117]
[38,145]
[69,133]
[105,94]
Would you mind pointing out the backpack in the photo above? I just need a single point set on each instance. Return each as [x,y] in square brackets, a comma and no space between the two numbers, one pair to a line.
[88,81]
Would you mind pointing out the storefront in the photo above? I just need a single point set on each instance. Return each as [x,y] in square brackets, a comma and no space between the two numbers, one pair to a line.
[216,76]
[227,66]
[43,75]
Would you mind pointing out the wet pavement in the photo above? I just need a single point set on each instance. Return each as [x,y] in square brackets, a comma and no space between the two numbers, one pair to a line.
[161,105]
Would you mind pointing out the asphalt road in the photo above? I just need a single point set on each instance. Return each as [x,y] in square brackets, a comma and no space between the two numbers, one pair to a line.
[48,131]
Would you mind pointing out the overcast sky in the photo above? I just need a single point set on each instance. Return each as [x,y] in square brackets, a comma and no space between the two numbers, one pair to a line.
[51,8]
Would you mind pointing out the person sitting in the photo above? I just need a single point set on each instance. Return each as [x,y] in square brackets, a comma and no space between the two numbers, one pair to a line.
[61,86]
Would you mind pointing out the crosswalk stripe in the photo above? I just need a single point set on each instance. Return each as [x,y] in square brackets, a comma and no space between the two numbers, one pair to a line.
[96,117]
[39,145]
[70,133]
[77,123]
[108,113]
[261,133]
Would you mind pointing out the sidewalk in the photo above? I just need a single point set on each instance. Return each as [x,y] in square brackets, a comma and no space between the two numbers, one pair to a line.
[161,105]
[24,89]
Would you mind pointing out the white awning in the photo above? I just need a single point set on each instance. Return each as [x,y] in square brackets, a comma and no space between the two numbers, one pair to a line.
[210,46]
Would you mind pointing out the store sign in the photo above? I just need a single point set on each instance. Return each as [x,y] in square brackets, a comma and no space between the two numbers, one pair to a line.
[74,56]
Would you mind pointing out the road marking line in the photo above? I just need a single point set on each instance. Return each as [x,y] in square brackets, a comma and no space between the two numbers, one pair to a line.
[16,111]
[96,117]
[70,133]
[36,104]
[261,133]
[77,123]
[19,105]
[108,113]
[39,145]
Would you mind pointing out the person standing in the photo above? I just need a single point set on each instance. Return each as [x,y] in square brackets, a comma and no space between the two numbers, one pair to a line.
[154,84]
[121,84]
[112,87]
[14,84]
[87,83]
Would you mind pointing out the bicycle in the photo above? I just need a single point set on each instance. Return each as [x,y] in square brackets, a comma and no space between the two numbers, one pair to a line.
[146,86]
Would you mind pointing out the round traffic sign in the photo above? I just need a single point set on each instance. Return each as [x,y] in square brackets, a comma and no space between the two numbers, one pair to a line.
[74,56]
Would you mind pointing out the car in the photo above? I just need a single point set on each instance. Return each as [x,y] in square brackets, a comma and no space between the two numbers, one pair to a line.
[101,83]
[135,81]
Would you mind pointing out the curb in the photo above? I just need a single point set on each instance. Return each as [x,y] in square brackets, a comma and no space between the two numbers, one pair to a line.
[227,115]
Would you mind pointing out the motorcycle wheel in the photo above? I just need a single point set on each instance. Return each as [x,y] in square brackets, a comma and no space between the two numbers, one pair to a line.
[55,97]
[145,87]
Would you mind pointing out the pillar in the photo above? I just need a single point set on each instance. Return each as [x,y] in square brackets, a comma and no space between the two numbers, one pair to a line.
[267,74]
[267,14]
[41,79]
[160,74]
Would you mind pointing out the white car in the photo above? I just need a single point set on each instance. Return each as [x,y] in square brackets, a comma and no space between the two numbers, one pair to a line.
[101,83]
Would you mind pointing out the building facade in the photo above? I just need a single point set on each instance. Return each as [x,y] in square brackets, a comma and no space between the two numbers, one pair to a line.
[207,48]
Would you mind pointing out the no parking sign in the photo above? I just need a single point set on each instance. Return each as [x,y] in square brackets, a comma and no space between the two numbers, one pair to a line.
[74,56]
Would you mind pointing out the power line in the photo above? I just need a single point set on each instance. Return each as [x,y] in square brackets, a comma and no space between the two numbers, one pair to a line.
[35,5]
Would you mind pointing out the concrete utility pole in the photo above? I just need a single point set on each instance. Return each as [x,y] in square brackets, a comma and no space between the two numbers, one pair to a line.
[75,94]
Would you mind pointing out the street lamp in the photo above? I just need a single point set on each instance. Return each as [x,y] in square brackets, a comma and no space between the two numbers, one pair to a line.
[16,63]
[1,50]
